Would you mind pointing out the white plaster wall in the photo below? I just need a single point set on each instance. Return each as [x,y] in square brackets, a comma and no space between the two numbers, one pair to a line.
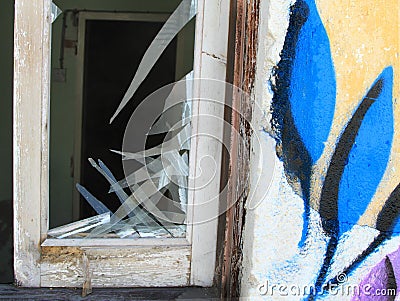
[260,247]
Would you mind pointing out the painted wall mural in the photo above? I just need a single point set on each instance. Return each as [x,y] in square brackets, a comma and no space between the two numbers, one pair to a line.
[336,120]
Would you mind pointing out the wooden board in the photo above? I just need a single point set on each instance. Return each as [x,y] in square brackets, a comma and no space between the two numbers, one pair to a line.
[116,267]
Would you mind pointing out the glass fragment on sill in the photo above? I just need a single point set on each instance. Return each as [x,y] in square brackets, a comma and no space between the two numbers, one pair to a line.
[130,204]
[147,194]
[80,226]
[55,12]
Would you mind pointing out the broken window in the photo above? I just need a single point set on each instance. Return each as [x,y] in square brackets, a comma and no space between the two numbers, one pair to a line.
[42,196]
[148,131]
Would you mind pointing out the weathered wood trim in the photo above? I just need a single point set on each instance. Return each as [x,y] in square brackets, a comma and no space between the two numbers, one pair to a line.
[45,121]
[211,47]
[116,267]
[245,51]
[30,139]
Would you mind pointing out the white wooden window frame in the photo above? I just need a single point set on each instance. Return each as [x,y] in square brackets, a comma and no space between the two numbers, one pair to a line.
[42,262]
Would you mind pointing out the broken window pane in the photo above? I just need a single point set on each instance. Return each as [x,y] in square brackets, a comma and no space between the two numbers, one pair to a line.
[153,194]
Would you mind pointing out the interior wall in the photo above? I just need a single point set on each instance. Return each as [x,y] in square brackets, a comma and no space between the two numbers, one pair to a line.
[6,90]
[323,221]
[63,98]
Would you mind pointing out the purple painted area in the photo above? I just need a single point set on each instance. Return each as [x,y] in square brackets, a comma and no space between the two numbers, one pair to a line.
[380,278]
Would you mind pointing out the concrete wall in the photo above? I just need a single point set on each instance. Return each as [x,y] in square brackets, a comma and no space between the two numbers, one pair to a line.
[325,197]
[63,99]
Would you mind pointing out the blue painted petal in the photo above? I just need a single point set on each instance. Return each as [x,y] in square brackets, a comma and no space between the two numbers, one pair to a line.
[369,156]
[313,84]
[304,96]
